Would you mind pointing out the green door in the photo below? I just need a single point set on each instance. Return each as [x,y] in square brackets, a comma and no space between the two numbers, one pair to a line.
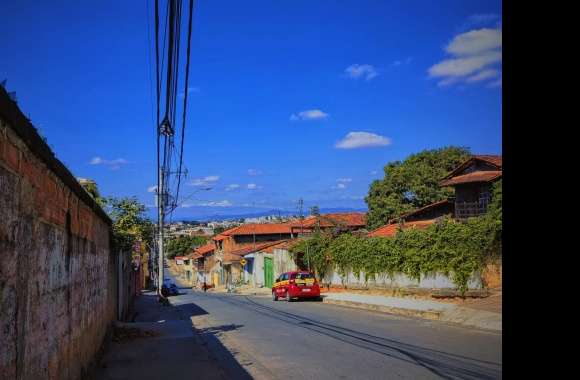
[268,272]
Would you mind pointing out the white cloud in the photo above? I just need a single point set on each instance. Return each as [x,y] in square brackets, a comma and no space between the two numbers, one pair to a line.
[354,140]
[253,186]
[461,67]
[233,186]
[254,172]
[357,71]
[205,181]
[341,183]
[475,42]
[152,189]
[314,114]
[111,164]
[482,75]
[224,203]
[374,172]
[473,53]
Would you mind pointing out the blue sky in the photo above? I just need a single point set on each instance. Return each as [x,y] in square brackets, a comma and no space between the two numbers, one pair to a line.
[288,100]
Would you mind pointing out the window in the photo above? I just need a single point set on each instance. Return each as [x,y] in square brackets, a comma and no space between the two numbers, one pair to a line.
[304,276]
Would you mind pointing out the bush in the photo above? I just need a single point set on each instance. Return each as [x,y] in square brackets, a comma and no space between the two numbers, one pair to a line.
[456,249]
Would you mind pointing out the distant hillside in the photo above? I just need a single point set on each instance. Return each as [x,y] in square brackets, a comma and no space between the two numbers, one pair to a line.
[217,217]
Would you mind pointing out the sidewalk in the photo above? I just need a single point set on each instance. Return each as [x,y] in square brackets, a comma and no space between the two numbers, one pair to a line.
[480,314]
[251,291]
[160,344]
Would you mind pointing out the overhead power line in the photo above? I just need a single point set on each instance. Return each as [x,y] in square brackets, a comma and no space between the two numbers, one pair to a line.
[167,87]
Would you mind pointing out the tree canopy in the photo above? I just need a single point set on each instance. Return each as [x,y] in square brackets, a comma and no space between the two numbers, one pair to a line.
[129,222]
[182,245]
[91,187]
[412,183]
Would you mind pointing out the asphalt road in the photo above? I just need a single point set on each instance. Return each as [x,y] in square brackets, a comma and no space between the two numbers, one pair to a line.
[257,337]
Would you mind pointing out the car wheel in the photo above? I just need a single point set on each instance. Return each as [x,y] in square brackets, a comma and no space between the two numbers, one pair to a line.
[274,296]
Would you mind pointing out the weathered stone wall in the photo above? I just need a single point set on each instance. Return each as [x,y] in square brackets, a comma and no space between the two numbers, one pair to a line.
[57,271]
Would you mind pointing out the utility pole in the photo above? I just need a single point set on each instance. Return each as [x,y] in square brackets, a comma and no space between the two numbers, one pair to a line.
[161,208]
[301,209]
[254,230]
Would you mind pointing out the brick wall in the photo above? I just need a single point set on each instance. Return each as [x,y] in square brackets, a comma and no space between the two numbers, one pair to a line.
[57,271]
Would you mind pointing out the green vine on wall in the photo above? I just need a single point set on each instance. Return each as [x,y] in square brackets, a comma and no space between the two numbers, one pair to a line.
[455,249]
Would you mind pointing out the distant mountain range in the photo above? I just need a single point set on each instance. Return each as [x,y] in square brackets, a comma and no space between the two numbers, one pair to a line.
[272,212]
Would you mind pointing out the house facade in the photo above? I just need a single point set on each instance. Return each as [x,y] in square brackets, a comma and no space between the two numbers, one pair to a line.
[473,182]
[259,268]
[202,260]
[232,244]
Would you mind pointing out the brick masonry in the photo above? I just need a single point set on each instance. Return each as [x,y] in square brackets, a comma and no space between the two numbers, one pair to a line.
[58,288]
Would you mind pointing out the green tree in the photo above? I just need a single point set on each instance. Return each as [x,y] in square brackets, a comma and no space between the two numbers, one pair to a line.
[412,183]
[91,187]
[183,245]
[129,222]
[218,230]
[316,252]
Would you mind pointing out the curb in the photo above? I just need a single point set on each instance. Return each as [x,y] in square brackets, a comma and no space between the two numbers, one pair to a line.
[481,319]
[428,314]
[462,316]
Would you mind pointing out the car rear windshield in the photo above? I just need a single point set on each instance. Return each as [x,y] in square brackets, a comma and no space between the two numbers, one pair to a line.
[304,276]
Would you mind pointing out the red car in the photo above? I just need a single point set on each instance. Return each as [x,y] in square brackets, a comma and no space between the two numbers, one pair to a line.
[297,284]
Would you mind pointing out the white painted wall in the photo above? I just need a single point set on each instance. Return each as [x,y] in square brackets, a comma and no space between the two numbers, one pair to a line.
[399,280]
[283,262]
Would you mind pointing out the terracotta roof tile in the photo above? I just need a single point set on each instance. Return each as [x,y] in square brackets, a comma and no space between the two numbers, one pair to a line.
[441,203]
[495,160]
[205,249]
[261,247]
[352,219]
[492,159]
[479,176]
[390,230]
[259,229]
[237,255]
[287,244]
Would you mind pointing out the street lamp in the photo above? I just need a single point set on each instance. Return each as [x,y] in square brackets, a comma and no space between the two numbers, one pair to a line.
[175,205]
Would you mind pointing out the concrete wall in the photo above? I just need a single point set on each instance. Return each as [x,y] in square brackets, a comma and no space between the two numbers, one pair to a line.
[399,280]
[257,278]
[57,272]
[283,262]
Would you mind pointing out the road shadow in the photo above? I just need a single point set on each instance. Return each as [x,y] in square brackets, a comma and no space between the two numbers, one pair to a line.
[307,300]
[442,364]
[168,346]
[215,330]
